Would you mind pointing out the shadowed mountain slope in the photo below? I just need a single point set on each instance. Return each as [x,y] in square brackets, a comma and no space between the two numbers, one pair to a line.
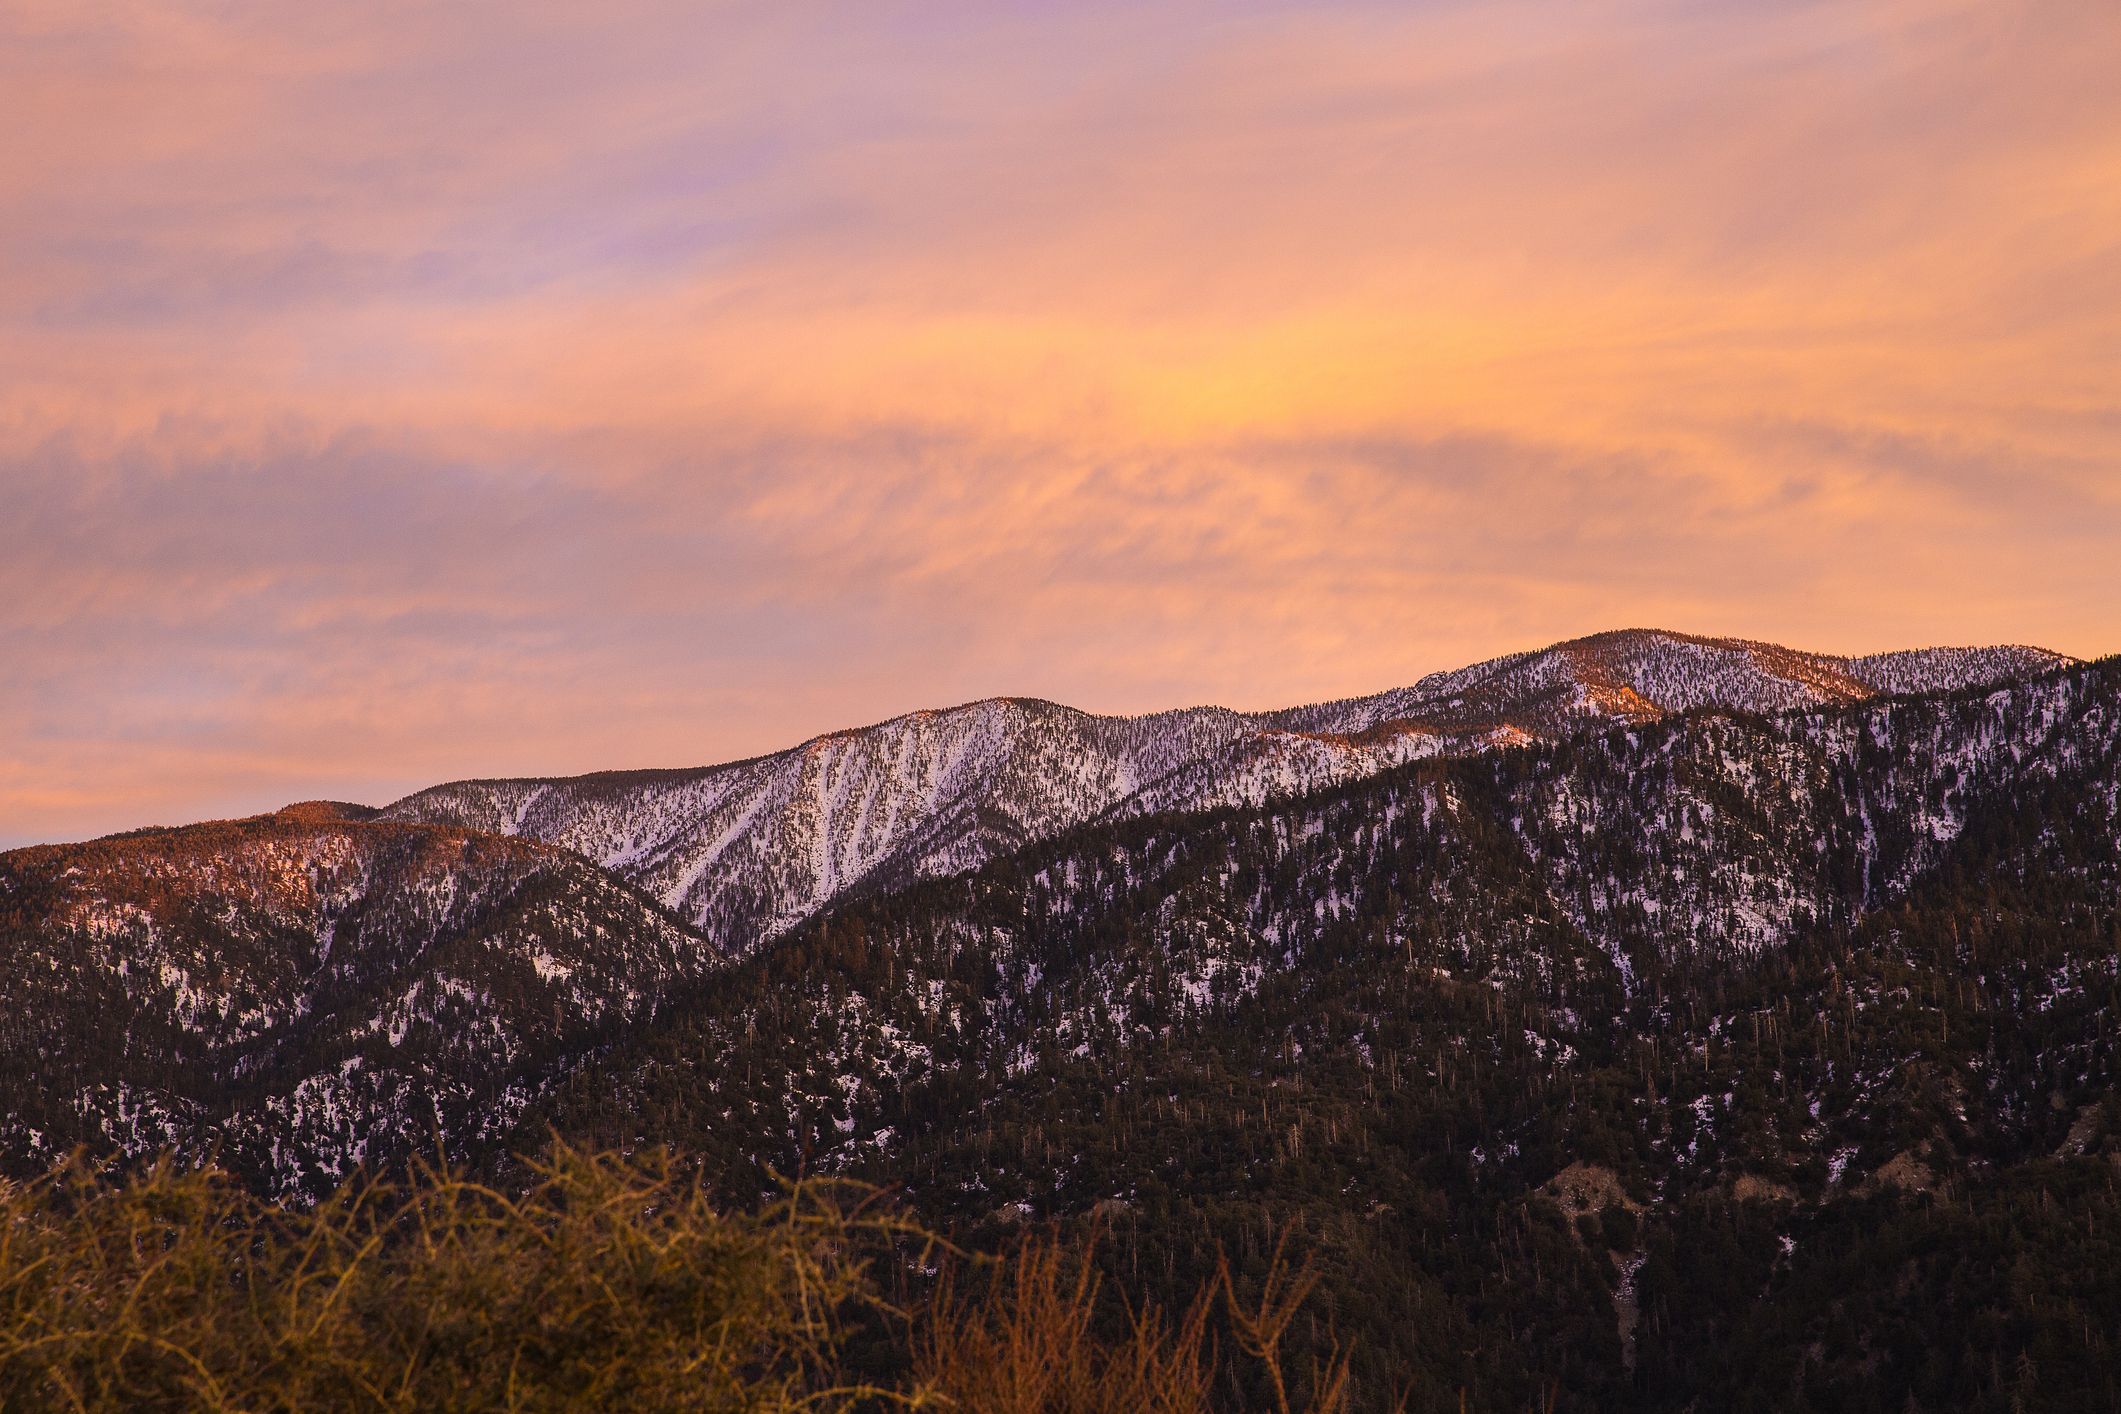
[335,986]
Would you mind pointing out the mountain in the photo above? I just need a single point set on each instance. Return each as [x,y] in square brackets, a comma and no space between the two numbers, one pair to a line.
[748,850]
[1684,1024]
[305,988]
[1715,1062]
[1610,876]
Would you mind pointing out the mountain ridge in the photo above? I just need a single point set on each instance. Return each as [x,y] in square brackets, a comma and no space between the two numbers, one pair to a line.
[359,981]
[1733,1049]
[748,849]
[303,988]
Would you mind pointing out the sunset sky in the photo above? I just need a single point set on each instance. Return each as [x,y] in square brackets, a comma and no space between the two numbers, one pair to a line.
[393,392]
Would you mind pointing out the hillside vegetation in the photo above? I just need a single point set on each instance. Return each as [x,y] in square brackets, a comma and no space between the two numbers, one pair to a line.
[606,1283]
[1716,1060]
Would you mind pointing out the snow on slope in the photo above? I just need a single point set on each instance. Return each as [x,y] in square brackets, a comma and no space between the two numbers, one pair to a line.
[749,849]
[355,982]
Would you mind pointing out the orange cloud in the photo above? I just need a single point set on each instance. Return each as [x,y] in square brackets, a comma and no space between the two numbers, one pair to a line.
[390,392]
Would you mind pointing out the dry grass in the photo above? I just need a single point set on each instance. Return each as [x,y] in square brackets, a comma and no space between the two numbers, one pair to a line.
[612,1283]
[1029,1345]
[609,1284]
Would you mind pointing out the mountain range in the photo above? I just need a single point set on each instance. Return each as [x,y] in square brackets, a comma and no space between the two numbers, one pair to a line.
[1637,1020]
[748,850]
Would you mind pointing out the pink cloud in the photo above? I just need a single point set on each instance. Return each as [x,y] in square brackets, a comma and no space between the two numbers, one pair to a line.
[397,393]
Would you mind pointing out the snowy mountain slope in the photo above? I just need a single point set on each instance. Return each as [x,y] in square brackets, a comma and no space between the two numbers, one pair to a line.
[1594,892]
[307,989]
[1826,986]
[749,849]
[1781,986]
[355,981]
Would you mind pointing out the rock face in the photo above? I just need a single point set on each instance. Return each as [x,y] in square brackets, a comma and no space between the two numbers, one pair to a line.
[748,850]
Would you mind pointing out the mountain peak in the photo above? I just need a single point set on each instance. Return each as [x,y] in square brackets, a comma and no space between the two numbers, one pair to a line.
[326,812]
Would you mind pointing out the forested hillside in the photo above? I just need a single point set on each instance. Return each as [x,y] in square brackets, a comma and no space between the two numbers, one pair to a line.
[1766,1056]
[1712,1060]
[303,991]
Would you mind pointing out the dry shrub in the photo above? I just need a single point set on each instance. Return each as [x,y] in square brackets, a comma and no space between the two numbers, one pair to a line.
[611,1283]
[1029,1346]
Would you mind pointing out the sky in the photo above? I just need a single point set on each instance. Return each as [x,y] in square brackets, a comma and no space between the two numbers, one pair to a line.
[394,392]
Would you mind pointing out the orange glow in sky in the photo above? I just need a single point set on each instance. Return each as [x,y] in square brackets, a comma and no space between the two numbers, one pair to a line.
[392,392]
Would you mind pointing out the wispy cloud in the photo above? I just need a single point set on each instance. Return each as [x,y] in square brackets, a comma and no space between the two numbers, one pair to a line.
[396,392]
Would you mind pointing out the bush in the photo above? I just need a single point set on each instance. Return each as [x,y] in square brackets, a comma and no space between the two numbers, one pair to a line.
[609,1283]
